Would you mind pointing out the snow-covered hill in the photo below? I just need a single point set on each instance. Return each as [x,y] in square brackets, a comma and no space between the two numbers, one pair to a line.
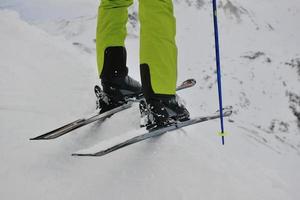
[260,57]
[46,80]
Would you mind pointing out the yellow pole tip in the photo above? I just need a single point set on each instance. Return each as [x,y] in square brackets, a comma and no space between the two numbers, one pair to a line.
[223,134]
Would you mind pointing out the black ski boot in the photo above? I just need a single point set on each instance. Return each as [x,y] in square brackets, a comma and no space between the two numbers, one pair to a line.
[158,113]
[159,110]
[117,86]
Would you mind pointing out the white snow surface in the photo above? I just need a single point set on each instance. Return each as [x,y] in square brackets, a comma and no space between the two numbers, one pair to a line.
[47,74]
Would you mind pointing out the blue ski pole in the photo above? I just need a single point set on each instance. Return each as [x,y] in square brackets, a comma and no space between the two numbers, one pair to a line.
[218,67]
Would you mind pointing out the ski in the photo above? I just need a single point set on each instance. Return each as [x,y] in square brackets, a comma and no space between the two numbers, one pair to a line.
[119,142]
[81,122]
[97,116]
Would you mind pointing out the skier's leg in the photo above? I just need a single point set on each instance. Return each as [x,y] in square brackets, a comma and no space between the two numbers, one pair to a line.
[111,27]
[111,54]
[158,57]
[158,51]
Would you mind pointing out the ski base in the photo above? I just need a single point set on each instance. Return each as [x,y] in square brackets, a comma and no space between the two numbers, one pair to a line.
[119,142]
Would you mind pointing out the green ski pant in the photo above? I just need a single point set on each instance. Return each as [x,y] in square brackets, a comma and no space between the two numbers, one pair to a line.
[157,38]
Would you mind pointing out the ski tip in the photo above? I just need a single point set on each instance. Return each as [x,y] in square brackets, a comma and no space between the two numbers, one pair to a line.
[227,111]
[190,81]
[35,138]
[82,155]
[42,137]
[94,154]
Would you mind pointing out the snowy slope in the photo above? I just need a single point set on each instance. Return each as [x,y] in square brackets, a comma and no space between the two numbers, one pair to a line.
[46,81]
[259,53]
[48,10]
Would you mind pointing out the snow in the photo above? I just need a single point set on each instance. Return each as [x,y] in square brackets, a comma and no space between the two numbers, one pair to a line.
[47,74]
[36,10]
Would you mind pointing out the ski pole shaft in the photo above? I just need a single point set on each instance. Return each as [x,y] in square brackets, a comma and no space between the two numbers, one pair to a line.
[218,64]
